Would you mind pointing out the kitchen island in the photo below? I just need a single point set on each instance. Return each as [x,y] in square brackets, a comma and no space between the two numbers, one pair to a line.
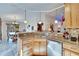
[39,41]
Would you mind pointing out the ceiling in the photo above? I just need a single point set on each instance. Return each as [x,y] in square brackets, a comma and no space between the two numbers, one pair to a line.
[17,10]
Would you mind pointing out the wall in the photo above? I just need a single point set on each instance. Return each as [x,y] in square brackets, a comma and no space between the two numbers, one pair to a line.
[32,19]
[4,30]
[46,17]
[50,17]
[0,29]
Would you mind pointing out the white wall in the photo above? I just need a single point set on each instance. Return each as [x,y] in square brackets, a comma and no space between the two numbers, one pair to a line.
[50,17]
[32,19]
[4,30]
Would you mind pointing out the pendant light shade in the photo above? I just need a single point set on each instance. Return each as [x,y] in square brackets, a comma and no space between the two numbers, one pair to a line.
[25,21]
[56,21]
[40,22]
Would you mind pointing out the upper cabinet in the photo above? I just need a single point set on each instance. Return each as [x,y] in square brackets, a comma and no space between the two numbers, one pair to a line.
[71,15]
[67,16]
[0,29]
[74,15]
[77,21]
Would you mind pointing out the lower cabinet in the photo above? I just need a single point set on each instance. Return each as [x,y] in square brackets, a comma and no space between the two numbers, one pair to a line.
[66,53]
[69,53]
[39,47]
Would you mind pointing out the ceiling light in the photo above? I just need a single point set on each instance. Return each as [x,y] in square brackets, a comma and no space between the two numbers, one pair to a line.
[14,23]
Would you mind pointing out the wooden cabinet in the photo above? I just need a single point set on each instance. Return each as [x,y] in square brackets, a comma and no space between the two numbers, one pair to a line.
[69,53]
[70,49]
[33,44]
[71,15]
[40,47]
[77,21]
[27,46]
[74,12]
[26,43]
[0,29]
[67,16]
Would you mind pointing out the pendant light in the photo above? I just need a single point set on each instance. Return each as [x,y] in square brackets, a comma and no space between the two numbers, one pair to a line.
[56,19]
[40,22]
[25,21]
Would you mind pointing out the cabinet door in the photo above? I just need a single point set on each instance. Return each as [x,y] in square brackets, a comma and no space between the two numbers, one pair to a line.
[74,15]
[40,47]
[67,22]
[43,47]
[0,30]
[36,48]
[66,53]
[77,16]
